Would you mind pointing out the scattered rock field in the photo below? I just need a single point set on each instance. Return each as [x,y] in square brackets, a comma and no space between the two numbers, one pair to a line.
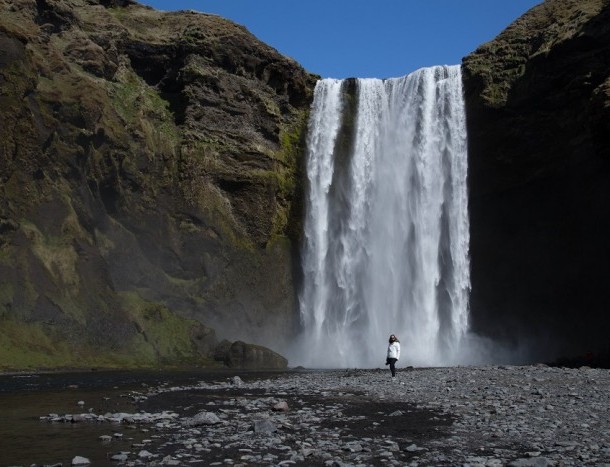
[469,416]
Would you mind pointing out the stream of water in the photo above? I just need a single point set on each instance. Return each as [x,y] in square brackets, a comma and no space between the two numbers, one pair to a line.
[24,398]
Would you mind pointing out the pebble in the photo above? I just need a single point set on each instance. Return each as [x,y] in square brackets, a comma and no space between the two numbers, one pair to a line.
[536,462]
[144,454]
[237,381]
[204,418]
[281,406]
[264,426]
[79,460]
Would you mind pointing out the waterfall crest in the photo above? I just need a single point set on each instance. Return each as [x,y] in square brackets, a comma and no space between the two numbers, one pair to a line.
[386,226]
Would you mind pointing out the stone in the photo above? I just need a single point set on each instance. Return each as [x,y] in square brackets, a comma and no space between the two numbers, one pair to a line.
[236,381]
[144,454]
[250,356]
[203,418]
[531,462]
[264,425]
[79,460]
[168,460]
[281,406]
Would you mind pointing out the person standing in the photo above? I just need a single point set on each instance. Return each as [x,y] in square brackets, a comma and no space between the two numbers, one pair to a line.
[393,354]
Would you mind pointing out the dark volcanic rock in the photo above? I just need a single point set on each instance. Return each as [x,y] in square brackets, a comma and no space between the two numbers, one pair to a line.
[149,172]
[538,113]
[250,356]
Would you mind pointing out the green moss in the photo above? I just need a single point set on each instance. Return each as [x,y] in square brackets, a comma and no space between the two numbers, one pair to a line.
[132,97]
[188,227]
[198,68]
[7,293]
[164,341]
[59,258]
[33,346]
[269,104]
[164,338]
[292,138]
[6,255]
[218,214]
[16,187]
[103,242]
[118,12]
[142,108]
[278,243]
[27,345]
[288,176]
[197,162]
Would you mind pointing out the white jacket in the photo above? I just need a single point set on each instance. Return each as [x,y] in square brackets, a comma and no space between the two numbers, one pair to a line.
[394,350]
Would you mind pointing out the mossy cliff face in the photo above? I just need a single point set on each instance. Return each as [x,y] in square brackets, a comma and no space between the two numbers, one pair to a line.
[149,180]
[538,114]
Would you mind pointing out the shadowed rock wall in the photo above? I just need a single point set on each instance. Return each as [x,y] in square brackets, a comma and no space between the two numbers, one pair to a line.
[538,114]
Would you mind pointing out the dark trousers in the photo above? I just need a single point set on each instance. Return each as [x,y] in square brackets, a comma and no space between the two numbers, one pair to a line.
[392,362]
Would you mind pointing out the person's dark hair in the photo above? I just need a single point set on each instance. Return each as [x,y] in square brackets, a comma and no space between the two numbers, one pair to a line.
[395,339]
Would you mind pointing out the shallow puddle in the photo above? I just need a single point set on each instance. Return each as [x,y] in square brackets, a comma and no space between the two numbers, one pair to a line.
[26,440]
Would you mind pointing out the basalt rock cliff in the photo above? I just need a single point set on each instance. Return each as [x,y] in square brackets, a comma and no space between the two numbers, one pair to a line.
[150,187]
[538,117]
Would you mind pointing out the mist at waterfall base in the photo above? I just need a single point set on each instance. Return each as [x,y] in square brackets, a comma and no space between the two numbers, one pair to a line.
[386,225]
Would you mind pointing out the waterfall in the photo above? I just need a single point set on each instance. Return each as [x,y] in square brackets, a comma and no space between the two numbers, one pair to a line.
[386,224]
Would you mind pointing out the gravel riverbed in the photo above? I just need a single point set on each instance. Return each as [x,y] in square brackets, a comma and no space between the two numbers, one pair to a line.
[476,416]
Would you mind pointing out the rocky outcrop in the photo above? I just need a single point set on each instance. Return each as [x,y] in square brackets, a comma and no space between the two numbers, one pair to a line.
[538,113]
[149,173]
[242,355]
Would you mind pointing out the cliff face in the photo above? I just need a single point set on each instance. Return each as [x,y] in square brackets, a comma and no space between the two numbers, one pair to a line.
[538,115]
[149,173]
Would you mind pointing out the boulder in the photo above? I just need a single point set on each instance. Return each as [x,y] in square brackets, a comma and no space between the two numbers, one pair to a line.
[253,357]
[203,418]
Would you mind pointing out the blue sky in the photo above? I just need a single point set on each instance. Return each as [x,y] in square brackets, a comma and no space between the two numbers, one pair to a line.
[366,38]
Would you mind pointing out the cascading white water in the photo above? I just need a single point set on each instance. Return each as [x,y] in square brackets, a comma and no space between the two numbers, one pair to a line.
[386,227]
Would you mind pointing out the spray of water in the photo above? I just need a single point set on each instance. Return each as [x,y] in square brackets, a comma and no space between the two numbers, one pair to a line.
[386,227]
